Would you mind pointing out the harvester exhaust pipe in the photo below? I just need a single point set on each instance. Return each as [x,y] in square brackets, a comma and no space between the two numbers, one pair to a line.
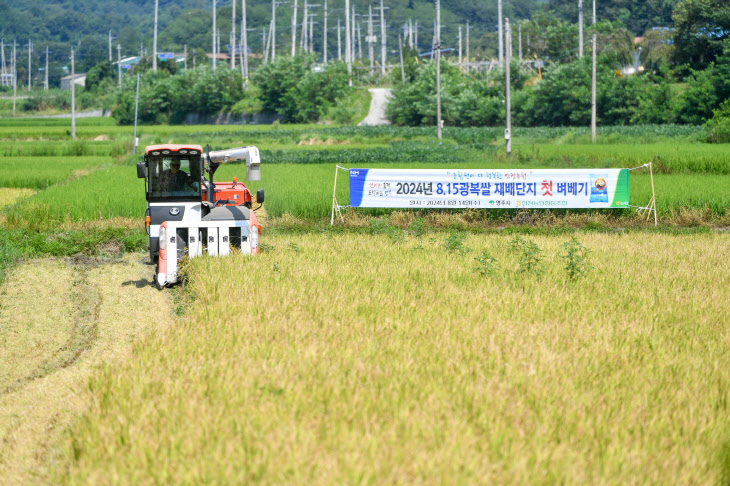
[251,154]
[212,167]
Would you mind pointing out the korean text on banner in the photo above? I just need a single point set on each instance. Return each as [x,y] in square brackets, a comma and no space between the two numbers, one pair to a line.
[489,188]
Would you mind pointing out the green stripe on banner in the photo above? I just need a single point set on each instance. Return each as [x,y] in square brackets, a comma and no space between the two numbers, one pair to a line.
[621,198]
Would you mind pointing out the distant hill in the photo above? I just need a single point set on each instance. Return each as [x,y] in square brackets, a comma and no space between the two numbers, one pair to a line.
[86,23]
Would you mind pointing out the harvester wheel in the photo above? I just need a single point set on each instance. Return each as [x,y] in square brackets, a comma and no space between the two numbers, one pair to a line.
[157,283]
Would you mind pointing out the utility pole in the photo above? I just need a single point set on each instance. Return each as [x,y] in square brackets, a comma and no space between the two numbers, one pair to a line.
[402,69]
[501,33]
[110,46]
[519,30]
[272,30]
[3,69]
[30,69]
[371,39]
[359,42]
[325,32]
[468,59]
[382,38]
[460,58]
[265,44]
[303,40]
[580,28]
[508,82]
[136,108]
[311,33]
[154,41]
[15,76]
[339,43]
[438,68]
[233,35]
[119,65]
[45,83]
[73,96]
[268,45]
[593,80]
[415,36]
[294,30]
[353,44]
[348,52]
[244,37]
[214,30]
[185,56]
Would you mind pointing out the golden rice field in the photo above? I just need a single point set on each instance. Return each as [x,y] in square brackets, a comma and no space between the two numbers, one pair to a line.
[365,359]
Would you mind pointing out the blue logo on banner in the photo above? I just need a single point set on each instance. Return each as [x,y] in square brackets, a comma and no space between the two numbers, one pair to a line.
[357,186]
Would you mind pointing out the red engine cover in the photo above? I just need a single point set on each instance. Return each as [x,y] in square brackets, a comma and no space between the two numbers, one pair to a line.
[236,192]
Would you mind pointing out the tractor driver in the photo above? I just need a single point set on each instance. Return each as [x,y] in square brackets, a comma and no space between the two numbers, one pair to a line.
[173,179]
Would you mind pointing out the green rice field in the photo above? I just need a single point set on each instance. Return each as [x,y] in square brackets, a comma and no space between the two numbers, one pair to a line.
[298,163]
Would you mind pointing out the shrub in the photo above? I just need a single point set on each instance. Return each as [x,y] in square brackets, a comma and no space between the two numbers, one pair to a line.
[576,263]
[717,129]
[529,253]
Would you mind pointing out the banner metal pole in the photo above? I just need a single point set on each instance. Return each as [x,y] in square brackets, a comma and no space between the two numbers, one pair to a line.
[334,198]
[653,194]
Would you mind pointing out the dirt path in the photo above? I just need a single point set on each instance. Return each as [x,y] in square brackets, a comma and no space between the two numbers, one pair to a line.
[376,114]
[59,320]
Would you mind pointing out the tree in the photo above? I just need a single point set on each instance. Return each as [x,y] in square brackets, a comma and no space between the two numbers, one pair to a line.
[722,73]
[550,38]
[98,73]
[695,104]
[656,46]
[701,26]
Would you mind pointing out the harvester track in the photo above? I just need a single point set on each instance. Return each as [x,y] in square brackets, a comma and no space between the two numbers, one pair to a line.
[59,320]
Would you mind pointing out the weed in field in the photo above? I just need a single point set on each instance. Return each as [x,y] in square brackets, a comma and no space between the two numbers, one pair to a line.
[487,265]
[576,263]
[417,227]
[294,247]
[266,248]
[455,243]
[377,226]
[529,254]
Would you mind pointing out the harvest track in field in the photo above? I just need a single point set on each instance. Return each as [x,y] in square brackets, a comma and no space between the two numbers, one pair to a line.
[61,319]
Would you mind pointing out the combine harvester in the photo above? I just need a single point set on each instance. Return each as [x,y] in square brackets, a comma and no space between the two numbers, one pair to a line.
[189,215]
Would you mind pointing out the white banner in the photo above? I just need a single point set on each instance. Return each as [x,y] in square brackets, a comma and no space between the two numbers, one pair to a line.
[489,188]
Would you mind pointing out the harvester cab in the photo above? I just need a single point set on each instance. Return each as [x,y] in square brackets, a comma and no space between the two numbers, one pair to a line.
[189,215]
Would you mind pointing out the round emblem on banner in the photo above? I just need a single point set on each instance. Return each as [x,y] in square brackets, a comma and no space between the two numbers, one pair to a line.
[174,211]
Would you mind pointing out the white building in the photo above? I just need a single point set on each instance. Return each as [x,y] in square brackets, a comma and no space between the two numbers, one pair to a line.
[79,80]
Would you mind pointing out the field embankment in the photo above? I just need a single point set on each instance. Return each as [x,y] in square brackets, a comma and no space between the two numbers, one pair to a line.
[61,319]
[341,358]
